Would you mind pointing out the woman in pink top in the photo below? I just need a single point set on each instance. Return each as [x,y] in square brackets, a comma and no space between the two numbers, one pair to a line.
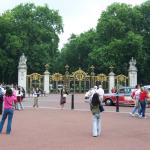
[9,98]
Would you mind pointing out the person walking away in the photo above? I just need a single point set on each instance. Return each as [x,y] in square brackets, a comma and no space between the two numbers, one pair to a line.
[36,94]
[135,95]
[8,112]
[96,123]
[63,96]
[1,99]
[142,100]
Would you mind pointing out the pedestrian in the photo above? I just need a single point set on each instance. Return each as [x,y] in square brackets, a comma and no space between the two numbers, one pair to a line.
[63,96]
[19,95]
[36,94]
[95,109]
[8,112]
[100,92]
[135,95]
[142,99]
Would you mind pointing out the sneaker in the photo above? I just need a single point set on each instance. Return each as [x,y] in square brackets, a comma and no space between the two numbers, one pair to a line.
[132,114]
[94,135]
[140,116]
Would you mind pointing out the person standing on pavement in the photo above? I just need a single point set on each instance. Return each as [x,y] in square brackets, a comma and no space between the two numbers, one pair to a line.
[36,94]
[19,95]
[63,96]
[142,99]
[136,95]
[8,112]
[96,123]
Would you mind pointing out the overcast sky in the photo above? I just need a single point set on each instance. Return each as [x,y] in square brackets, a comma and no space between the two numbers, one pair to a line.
[78,15]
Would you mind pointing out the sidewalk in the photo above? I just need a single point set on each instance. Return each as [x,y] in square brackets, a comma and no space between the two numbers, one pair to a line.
[47,129]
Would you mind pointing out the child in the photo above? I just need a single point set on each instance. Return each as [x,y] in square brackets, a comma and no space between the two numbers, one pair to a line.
[95,104]
[9,99]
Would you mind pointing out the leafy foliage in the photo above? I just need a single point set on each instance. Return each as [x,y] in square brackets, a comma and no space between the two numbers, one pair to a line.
[31,30]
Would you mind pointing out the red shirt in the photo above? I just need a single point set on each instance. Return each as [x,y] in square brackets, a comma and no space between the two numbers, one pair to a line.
[143,95]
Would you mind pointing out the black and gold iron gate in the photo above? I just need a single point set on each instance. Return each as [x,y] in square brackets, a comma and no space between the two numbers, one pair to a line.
[77,82]
[35,80]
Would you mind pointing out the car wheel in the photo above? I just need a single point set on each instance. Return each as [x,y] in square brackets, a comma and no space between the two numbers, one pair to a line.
[108,102]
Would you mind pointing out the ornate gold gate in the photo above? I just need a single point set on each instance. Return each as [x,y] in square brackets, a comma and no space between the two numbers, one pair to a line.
[121,80]
[34,80]
[78,81]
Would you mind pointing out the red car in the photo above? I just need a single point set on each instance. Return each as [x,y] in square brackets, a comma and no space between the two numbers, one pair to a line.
[124,97]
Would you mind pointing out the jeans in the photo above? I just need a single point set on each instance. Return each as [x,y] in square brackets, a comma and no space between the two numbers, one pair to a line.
[137,107]
[36,102]
[1,105]
[9,113]
[96,127]
[143,107]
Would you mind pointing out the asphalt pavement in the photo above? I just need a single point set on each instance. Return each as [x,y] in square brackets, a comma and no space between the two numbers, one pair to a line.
[50,128]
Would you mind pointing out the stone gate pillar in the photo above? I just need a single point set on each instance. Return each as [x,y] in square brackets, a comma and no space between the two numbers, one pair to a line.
[111,79]
[132,73]
[22,71]
[46,80]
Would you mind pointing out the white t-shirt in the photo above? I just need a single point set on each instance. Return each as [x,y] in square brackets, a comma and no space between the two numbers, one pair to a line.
[100,92]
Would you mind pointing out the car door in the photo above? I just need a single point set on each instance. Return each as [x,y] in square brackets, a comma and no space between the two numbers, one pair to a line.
[127,96]
[121,94]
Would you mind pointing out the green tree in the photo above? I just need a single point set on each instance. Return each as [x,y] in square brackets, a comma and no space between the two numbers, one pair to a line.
[31,30]
[118,38]
[75,52]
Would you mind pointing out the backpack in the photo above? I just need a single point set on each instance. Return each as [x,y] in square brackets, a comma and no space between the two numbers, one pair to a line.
[95,109]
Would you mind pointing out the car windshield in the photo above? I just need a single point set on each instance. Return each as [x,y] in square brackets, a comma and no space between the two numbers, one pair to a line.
[125,90]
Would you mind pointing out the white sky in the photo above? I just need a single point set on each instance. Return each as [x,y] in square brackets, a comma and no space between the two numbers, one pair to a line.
[78,15]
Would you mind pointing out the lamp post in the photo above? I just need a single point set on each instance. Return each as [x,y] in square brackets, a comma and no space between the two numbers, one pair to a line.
[92,75]
[117,101]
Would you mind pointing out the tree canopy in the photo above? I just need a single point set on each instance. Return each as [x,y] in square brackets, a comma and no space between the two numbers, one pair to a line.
[122,32]
[31,30]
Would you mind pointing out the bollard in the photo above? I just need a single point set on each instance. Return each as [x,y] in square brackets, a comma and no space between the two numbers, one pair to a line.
[117,102]
[72,101]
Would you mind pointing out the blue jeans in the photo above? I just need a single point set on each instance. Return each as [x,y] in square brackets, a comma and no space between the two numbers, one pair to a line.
[143,107]
[9,113]
[137,107]
[96,125]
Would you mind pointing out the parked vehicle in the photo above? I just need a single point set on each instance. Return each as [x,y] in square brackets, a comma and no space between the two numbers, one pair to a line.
[123,94]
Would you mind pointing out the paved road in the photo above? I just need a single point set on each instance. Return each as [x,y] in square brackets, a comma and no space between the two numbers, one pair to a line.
[50,128]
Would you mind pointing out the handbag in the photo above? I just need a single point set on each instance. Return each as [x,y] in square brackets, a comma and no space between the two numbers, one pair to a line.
[101,108]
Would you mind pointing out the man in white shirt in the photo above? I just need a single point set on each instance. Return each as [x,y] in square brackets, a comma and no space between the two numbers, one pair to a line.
[100,92]
[89,94]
